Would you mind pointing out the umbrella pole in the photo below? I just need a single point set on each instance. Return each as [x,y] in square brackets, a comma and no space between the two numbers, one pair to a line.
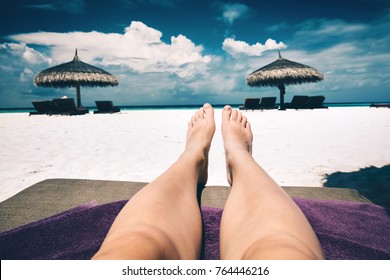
[78,96]
[282,89]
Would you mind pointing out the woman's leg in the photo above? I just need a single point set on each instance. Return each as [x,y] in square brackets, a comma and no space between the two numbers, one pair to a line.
[163,220]
[259,221]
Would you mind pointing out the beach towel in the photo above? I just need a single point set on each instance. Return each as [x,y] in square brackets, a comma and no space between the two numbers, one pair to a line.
[346,230]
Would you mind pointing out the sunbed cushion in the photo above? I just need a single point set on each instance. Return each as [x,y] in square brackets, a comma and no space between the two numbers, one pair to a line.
[346,230]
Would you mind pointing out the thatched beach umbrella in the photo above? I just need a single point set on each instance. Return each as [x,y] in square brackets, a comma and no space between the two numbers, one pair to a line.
[283,72]
[75,74]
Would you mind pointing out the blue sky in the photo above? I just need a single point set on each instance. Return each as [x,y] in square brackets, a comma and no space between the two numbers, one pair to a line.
[190,52]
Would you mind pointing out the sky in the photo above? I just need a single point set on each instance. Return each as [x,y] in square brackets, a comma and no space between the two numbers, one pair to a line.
[184,52]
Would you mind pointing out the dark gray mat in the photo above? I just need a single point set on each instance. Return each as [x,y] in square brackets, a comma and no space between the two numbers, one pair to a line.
[53,196]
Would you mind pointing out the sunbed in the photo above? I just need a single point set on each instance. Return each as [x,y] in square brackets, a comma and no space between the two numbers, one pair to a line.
[315,102]
[43,107]
[251,104]
[69,218]
[268,103]
[106,107]
[380,105]
[297,102]
[67,106]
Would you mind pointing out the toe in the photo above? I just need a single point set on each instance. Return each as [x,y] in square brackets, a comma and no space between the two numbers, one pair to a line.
[226,113]
[244,121]
[207,106]
[193,120]
[199,114]
[208,110]
[239,116]
[234,115]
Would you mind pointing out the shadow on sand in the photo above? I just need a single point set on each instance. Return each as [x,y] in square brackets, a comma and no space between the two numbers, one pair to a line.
[372,182]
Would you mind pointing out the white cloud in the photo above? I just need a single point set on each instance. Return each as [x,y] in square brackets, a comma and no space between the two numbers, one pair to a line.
[70,6]
[237,48]
[352,56]
[233,11]
[17,72]
[26,75]
[326,28]
[164,3]
[29,55]
[177,71]
[140,48]
[340,28]
[350,66]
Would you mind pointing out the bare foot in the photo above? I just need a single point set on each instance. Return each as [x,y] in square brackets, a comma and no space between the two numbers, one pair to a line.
[237,137]
[200,132]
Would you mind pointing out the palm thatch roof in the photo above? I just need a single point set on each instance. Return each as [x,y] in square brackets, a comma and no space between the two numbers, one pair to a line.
[283,71]
[75,73]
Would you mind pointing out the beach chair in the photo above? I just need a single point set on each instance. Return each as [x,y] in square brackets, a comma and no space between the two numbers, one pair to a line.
[73,227]
[106,107]
[251,104]
[268,103]
[380,105]
[297,102]
[316,102]
[42,107]
[67,106]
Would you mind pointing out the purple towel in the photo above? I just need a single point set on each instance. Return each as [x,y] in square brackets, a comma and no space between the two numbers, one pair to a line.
[346,230]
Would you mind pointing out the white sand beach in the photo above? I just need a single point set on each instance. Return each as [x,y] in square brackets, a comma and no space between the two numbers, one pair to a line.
[297,148]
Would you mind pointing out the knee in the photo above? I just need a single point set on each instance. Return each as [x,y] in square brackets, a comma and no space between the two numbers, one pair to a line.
[283,247]
[145,242]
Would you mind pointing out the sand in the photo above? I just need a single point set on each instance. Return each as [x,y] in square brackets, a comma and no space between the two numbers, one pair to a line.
[296,147]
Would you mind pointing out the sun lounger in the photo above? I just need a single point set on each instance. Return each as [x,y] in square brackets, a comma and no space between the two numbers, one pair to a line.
[67,106]
[105,107]
[268,103]
[251,104]
[43,107]
[297,102]
[75,192]
[380,105]
[315,102]
[74,226]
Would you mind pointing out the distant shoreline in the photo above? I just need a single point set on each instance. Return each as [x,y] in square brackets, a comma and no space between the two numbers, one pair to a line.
[185,107]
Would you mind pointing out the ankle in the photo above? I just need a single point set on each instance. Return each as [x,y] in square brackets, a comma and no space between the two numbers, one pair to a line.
[194,156]
[239,159]
[237,154]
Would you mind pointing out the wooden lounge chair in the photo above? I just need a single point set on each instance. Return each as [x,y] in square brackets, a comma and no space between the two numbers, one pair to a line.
[67,106]
[316,102]
[74,192]
[106,107]
[268,103]
[43,107]
[251,104]
[297,102]
[73,227]
[380,105]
